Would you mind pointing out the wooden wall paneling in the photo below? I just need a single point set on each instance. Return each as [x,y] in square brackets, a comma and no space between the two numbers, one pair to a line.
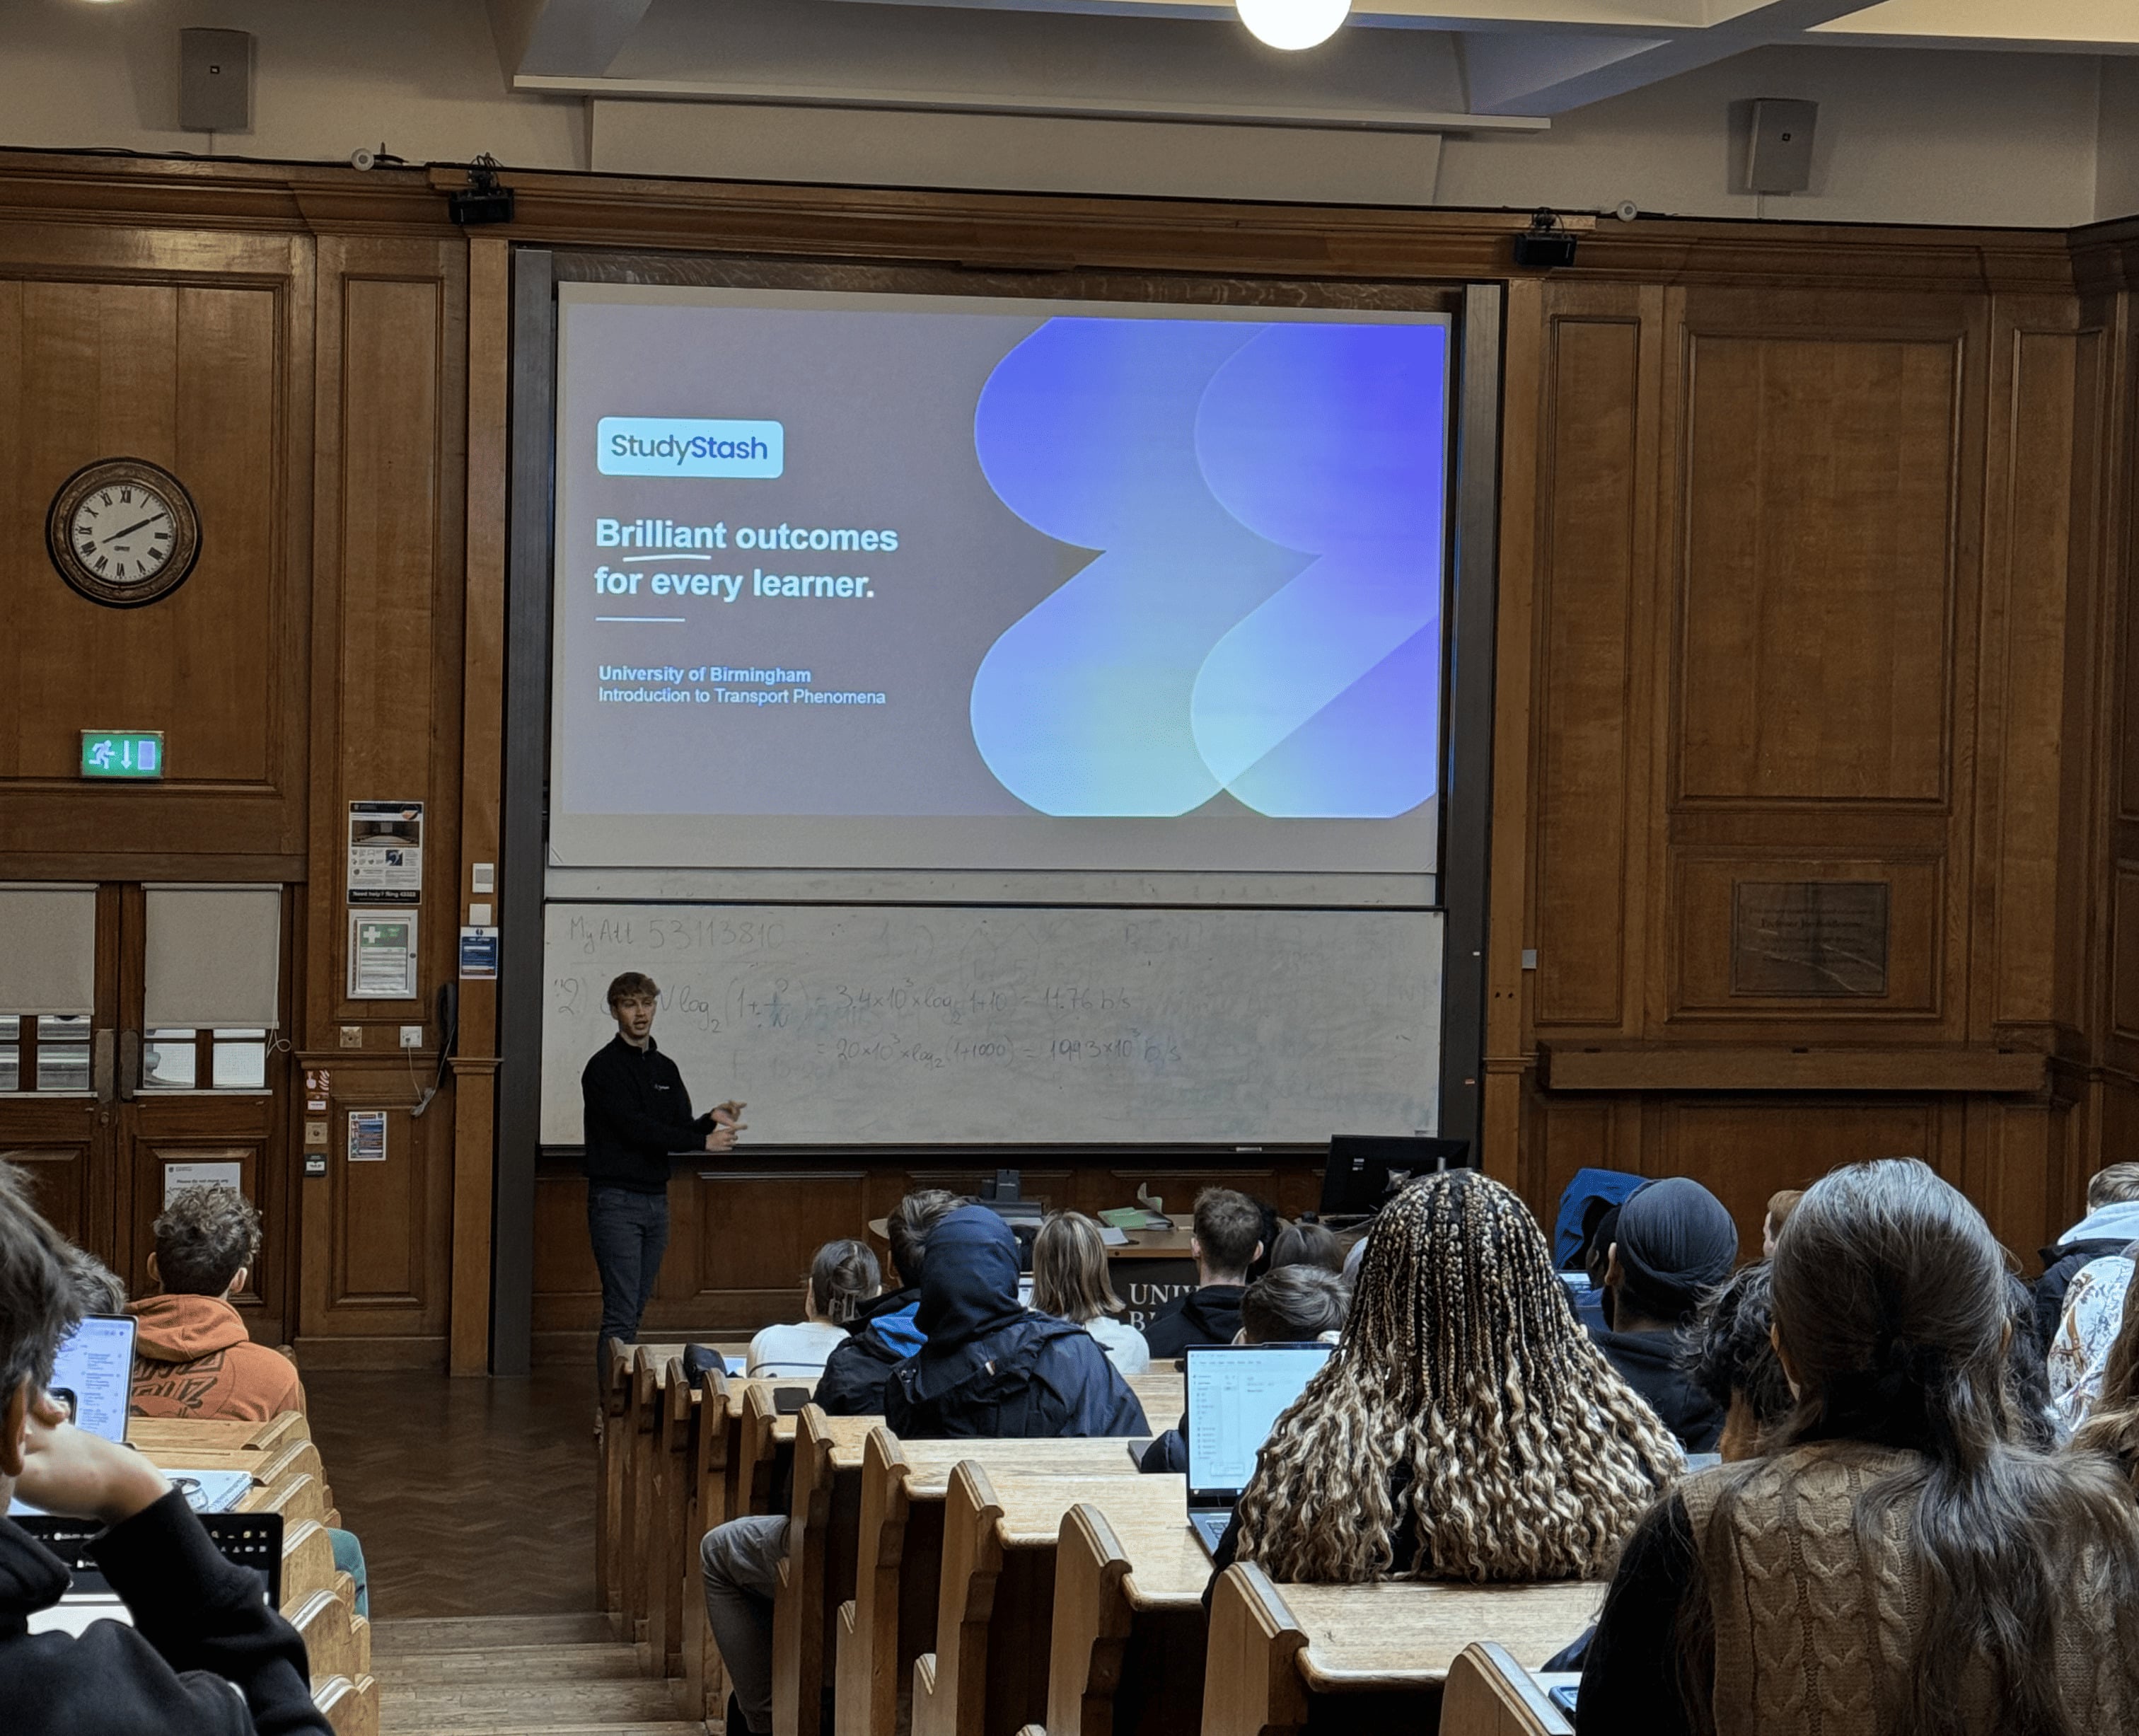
[2041,633]
[1597,449]
[1508,1055]
[193,350]
[743,1240]
[62,1184]
[390,552]
[483,722]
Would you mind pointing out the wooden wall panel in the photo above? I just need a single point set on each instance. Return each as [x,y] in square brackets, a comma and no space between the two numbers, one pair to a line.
[117,344]
[1818,583]
[1591,560]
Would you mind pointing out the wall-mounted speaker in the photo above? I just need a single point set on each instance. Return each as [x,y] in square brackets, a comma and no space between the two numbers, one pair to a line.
[215,81]
[1779,155]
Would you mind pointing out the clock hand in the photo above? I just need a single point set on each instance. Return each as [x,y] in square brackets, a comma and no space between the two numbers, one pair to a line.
[129,530]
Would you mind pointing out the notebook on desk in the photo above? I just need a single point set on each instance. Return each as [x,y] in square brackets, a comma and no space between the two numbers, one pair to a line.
[1236,1392]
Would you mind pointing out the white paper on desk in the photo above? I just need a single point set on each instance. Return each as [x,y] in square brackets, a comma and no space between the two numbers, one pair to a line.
[212,1491]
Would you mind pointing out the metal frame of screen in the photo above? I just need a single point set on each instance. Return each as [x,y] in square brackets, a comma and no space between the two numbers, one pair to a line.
[1467,727]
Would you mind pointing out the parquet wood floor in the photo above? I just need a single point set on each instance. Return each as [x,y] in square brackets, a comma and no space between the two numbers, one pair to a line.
[473,1497]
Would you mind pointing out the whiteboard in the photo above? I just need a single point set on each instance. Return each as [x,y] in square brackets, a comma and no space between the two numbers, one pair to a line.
[878,1025]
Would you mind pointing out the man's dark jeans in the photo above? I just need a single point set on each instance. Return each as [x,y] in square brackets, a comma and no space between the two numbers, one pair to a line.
[630,1233]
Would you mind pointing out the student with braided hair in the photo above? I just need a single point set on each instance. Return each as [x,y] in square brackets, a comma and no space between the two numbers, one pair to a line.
[1466,1427]
[1900,1561]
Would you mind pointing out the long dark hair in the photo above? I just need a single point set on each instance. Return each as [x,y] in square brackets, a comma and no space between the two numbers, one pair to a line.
[1891,1312]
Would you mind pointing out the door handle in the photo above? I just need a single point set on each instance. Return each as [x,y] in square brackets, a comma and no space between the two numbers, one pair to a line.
[129,1064]
[99,1064]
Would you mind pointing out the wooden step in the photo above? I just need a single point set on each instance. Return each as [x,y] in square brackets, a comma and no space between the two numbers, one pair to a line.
[398,1636]
[391,1725]
[526,1705]
[507,1665]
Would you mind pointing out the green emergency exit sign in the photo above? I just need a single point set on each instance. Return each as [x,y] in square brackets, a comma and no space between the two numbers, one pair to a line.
[122,753]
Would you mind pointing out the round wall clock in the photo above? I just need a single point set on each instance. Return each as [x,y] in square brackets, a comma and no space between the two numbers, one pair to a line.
[123,533]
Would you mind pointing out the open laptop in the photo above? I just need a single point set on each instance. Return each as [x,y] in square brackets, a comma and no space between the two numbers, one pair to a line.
[1365,1169]
[1237,1393]
[253,1540]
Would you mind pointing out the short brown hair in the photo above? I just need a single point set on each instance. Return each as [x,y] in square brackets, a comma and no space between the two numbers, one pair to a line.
[634,983]
[1069,1270]
[38,1304]
[908,1226]
[203,1238]
[1229,1227]
[1780,1206]
[2116,1185]
[1295,1304]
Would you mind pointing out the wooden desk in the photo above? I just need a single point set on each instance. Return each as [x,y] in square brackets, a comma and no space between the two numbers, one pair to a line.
[1489,1694]
[1163,1393]
[898,1576]
[154,1434]
[1385,1650]
[645,1399]
[1126,1651]
[996,1608]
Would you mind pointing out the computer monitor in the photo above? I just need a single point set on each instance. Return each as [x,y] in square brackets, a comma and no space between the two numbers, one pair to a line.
[93,1375]
[1365,1170]
[1236,1392]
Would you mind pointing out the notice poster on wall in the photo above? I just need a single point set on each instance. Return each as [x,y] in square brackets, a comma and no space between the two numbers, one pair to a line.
[386,852]
[382,957]
[179,1177]
[911,582]
[367,1135]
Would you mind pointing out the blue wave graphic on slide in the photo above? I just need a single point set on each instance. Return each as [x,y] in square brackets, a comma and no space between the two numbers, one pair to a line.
[1262,614]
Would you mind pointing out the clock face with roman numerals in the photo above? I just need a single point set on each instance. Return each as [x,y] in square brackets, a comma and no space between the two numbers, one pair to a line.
[123,533]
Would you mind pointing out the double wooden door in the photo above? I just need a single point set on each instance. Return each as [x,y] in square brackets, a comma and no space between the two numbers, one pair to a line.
[106,1117]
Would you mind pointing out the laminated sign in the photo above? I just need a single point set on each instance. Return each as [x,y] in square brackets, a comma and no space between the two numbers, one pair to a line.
[386,852]
[382,957]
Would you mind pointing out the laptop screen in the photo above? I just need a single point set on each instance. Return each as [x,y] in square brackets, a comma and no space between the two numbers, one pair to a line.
[94,1375]
[1236,1395]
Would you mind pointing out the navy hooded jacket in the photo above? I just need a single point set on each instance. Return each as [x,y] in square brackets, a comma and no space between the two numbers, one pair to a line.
[989,1365]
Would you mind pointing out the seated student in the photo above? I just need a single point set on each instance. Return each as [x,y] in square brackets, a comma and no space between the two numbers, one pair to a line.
[97,1288]
[988,1365]
[2079,1349]
[191,1354]
[1673,1242]
[1464,1427]
[1227,1239]
[1896,1562]
[2111,1225]
[882,1334]
[2112,1428]
[1780,1205]
[206,1656]
[1308,1244]
[844,1279]
[1295,1304]
[1730,1355]
[1069,1281]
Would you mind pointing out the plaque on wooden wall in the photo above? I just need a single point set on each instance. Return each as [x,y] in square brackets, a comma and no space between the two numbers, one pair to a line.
[1813,939]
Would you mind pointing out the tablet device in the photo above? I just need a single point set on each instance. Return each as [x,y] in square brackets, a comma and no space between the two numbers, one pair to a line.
[93,1375]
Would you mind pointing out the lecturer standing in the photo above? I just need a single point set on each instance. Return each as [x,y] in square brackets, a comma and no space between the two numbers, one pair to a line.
[637,1111]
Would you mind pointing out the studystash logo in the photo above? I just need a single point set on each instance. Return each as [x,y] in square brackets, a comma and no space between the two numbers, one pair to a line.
[689,446]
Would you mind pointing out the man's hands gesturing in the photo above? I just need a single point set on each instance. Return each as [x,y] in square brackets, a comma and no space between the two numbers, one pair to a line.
[726,1126]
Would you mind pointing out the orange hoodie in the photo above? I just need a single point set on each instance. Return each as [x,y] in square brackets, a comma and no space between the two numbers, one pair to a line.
[193,1357]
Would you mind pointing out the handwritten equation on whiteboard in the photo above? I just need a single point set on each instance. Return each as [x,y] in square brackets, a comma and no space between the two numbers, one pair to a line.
[849,1024]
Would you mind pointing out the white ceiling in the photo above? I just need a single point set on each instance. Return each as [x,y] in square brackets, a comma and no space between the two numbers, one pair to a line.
[1448,66]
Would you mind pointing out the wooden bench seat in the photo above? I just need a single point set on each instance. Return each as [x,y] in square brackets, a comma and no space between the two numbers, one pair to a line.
[158,1434]
[1489,1694]
[988,1669]
[351,1707]
[1382,1650]
[1126,1652]
[337,1640]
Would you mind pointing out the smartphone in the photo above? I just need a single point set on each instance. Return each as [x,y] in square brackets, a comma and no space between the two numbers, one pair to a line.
[789,1400]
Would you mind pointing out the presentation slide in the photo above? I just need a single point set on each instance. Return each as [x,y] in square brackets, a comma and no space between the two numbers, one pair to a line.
[902,581]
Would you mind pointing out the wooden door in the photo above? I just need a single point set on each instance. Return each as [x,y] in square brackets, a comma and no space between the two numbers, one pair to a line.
[98,1111]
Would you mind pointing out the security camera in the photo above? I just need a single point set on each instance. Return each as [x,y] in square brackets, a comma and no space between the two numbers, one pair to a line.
[1626,210]
[362,158]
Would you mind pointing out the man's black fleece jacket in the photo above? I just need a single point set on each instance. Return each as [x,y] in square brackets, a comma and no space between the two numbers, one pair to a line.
[637,1113]
[205,1656]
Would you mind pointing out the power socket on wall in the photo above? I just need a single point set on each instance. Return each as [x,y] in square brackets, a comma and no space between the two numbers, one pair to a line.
[411,1037]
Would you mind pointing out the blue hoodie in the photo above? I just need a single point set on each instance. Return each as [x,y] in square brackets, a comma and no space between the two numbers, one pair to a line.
[991,1367]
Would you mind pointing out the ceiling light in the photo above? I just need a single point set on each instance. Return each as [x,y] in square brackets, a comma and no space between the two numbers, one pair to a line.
[1293,23]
